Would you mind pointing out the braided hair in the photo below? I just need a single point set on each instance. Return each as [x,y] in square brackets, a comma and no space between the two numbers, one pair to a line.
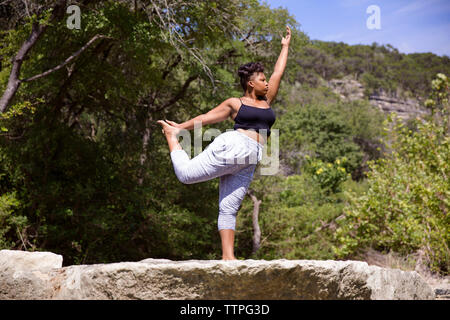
[247,70]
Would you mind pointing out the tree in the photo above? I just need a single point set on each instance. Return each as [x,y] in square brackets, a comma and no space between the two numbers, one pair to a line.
[37,30]
[78,147]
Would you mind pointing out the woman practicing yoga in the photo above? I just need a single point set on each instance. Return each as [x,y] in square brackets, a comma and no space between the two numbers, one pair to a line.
[232,155]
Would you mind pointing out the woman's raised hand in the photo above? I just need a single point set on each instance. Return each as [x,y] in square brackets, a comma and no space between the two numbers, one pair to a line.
[286,40]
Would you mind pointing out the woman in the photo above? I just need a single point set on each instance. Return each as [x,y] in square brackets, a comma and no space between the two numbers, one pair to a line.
[230,155]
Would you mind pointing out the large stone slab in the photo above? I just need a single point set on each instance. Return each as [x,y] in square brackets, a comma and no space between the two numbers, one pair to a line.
[16,260]
[24,275]
[212,279]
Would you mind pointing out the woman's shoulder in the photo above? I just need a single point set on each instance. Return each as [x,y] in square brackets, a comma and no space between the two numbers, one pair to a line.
[234,101]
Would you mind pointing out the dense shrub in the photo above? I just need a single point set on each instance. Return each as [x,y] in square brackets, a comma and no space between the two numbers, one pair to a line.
[406,207]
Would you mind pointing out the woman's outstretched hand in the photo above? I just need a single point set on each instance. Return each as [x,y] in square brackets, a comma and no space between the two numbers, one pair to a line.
[286,40]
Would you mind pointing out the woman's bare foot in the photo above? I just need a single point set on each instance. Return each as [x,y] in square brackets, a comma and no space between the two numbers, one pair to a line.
[228,258]
[171,135]
[168,130]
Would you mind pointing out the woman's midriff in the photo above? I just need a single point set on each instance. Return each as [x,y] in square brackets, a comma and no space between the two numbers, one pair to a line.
[253,134]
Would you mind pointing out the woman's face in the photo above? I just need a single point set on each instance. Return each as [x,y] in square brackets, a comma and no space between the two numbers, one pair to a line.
[259,83]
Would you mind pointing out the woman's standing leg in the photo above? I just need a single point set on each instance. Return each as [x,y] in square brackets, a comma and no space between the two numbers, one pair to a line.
[227,238]
[232,190]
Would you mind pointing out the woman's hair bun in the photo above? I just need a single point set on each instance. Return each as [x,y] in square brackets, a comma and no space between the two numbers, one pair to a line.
[247,70]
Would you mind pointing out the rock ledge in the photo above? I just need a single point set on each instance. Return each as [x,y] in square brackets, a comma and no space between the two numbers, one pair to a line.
[207,279]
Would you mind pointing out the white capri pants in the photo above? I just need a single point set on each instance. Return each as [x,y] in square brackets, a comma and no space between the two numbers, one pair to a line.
[233,157]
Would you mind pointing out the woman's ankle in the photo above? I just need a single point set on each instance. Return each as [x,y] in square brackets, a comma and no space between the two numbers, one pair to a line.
[173,144]
[228,257]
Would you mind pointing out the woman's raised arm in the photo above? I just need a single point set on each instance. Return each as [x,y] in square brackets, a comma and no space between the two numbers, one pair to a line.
[275,78]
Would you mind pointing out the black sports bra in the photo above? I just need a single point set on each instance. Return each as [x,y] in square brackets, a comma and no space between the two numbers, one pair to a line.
[249,117]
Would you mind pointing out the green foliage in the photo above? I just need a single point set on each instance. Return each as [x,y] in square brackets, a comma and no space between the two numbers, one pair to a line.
[293,213]
[319,125]
[179,237]
[438,101]
[376,66]
[19,113]
[406,207]
[12,226]
[328,175]
[371,83]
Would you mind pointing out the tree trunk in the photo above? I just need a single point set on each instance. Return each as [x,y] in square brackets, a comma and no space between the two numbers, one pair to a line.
[145,141]
[36,32]
[14,81]
[256,229]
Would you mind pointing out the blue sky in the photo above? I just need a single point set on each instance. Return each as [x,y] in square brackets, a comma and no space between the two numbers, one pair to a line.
[408,25]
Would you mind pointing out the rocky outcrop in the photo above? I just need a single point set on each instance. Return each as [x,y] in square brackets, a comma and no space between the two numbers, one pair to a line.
[405,108]
[15,260]
[210,279]
[26,275]
[347,88]
[350,89]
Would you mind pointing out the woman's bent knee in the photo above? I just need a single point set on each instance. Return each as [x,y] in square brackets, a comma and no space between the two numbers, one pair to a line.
[226,221]
[183,177]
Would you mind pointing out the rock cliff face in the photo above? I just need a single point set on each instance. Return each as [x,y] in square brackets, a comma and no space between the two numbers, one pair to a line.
[405,109]
[349,89]
[195,279]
